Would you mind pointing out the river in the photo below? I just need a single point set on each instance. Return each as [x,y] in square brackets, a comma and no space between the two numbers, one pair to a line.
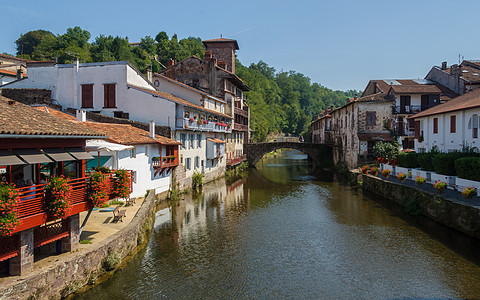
[282,232]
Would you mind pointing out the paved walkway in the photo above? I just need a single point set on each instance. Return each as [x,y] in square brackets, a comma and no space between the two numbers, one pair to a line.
[100,226]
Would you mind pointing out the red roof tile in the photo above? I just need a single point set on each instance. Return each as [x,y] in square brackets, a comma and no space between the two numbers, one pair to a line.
[415,89]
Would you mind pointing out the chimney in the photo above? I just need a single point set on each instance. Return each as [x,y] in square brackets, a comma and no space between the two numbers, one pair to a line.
[374,86]
[170,62]
[444,65]
[208,55]
[222,64]
[81,115]
[76,63]
[152,129]
[19,74]
[149,75]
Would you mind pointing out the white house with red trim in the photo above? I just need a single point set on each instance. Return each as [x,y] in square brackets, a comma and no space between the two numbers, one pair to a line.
[449,126]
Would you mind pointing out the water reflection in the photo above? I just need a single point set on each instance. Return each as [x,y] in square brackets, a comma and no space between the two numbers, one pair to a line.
[283,233]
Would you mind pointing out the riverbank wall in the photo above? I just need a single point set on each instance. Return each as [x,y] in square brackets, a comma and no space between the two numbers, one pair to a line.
[85,268]
[459,215]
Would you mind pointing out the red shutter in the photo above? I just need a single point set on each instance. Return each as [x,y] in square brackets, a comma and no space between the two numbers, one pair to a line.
[87,95]
[417,129]
[453,124]
[109,95]
[105,95]
[435,125]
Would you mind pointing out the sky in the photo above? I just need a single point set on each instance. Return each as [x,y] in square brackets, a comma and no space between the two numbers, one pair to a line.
[337,43]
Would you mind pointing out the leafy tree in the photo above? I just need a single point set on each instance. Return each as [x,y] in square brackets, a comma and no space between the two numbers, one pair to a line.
[27,42]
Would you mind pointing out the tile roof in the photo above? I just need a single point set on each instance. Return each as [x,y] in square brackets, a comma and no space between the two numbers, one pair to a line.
[415,89]
[19,119]
[179,100]
[221,40]
[124,134]
[465,101]
[5,56]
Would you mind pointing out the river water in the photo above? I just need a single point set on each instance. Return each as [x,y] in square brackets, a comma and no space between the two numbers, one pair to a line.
[282,232]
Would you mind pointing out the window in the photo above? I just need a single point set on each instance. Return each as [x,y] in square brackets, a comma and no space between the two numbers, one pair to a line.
[87,95]
[197,162]
[133,152]
[371,118]
[134,176]
[192,141]
[435,125]
[188,163]
[109,95]
[199,140]
[453,124]
[475,126]
[183,140]
[156,83]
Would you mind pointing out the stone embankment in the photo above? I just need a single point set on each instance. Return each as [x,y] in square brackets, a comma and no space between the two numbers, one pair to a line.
[83,268]
[463,216]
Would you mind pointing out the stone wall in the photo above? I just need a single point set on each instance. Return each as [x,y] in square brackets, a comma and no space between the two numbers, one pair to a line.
[75,271]
[160,130]
[28,96]
[449,212]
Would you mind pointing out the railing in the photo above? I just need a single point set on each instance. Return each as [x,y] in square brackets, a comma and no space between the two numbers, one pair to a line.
[236,160]
[410,109]
[164,162]
[240,127]
[209,126]
[241,112]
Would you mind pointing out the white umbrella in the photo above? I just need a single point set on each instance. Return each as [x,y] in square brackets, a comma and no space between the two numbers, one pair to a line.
[101,145]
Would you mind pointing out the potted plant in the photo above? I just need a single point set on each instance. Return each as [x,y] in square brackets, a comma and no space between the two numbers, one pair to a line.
[386,173]
[401,177]
[57,192]
[469,192]
[8,209]
[365,169]
[374,171]
[419,180]
[187,114]
[440,186]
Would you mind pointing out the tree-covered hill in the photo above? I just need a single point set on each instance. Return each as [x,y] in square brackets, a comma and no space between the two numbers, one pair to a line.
[279,101]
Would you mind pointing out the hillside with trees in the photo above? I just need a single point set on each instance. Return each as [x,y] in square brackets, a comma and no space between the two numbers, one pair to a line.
[281,102]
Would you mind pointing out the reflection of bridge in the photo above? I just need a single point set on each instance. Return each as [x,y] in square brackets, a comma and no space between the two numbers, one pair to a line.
[320,154]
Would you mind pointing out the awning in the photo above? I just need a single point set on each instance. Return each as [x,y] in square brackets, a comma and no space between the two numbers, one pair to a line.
[101,145]
[58,154]
[78,153]
[218,141]
[9,159]
[32,156]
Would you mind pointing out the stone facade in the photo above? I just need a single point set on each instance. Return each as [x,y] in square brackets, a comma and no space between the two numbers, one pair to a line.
[28,96]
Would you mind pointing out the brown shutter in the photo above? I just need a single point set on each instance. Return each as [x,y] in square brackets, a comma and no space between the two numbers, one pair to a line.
[87,95]
[105,95]
[417,129]
[453,124]
[435,125]
[111,95]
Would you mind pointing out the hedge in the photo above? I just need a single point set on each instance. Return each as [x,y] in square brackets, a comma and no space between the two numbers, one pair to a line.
[444,163]
[407,159]
[425,161]
[468,168]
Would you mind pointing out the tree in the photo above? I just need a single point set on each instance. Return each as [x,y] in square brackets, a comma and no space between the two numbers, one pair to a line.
[27,42]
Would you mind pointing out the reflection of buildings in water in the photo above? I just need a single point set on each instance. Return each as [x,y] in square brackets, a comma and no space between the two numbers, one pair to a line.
[236,194]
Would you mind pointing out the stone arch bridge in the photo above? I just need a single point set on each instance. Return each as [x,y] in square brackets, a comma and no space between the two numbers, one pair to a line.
[320,154]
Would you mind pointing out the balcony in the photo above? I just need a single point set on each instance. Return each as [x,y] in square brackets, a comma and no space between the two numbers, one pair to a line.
[241,112]
[410,109]
[205,126]
[164,161]
[405,132]
[237,160]
[240,127]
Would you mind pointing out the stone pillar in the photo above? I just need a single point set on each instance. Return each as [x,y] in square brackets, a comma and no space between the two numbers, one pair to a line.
[24,261]
[70,242]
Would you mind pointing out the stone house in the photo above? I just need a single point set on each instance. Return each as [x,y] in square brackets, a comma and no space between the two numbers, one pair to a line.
[216,76]
[355,128]
[12,68]
[449,126]
[411,96]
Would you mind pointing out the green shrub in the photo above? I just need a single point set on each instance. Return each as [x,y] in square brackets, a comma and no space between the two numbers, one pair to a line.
[444,163]
[112,260]
[468,168]
[425,161]
[386,150]
[197,179]
[407,159]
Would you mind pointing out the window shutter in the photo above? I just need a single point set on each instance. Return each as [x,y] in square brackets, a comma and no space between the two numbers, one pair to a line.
[417,129]
[87,95]
[111,95]
[435,125]
[453,124]
[105,95]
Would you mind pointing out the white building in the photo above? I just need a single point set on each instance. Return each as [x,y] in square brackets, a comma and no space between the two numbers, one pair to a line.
[449,126]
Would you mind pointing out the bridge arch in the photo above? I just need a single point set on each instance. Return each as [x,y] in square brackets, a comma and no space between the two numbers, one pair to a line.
[321,155]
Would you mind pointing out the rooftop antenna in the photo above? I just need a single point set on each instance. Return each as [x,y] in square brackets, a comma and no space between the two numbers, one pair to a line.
[221,36]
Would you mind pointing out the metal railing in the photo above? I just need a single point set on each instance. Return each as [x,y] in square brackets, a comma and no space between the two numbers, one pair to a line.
[410,109]
[204,126]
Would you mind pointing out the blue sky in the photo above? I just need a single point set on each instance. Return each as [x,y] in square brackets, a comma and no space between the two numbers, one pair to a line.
[339,44]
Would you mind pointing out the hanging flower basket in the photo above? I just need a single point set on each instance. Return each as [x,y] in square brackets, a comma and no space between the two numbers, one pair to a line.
[374,171]
[386,173]
[440,186]
[8,209]
[57,193]
[469,192]
[419,180]
[365,169]
[97,193]
[401,176]
[187,114]
[121,184]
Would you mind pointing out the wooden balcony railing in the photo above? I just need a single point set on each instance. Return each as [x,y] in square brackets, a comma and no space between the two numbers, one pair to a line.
[164,162]
[236,160]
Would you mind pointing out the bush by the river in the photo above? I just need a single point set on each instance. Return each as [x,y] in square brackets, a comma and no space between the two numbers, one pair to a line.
[468,168]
